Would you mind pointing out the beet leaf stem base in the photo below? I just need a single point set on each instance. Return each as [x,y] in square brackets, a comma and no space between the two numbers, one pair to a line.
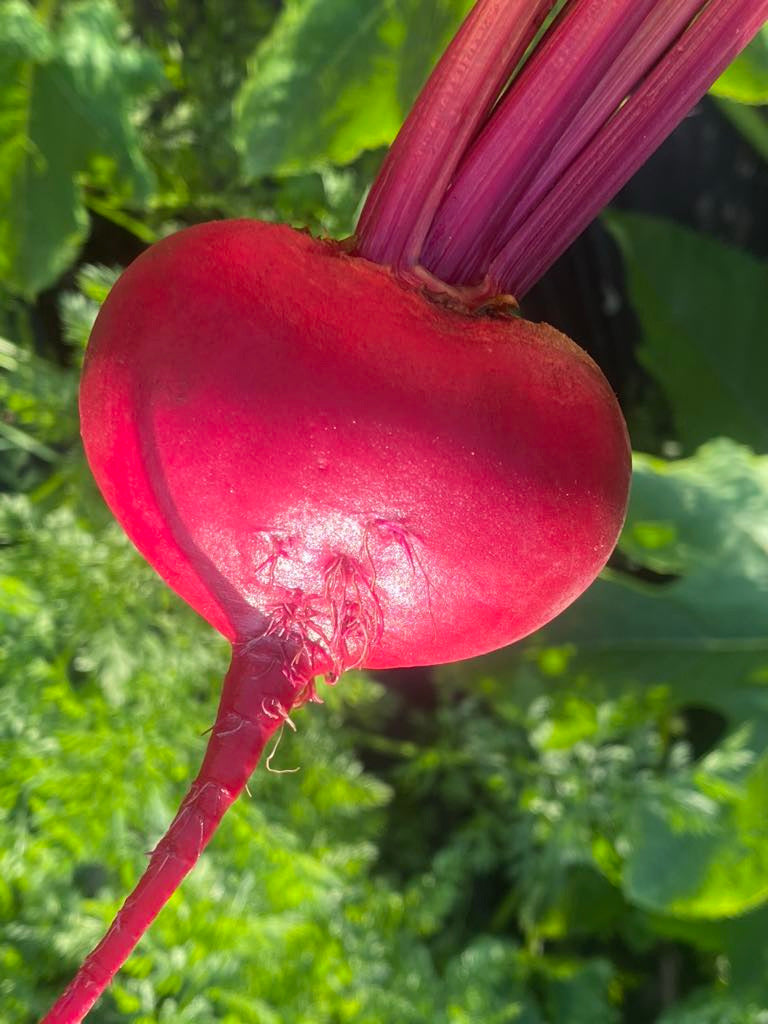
[503,163]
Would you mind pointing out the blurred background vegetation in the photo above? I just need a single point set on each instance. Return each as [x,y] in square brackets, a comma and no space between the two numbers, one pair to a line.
[572,831]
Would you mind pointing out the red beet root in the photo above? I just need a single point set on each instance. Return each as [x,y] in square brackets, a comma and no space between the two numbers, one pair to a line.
[335,471]
[309,442]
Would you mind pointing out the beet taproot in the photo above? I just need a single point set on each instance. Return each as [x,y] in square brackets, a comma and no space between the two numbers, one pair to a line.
[312,441]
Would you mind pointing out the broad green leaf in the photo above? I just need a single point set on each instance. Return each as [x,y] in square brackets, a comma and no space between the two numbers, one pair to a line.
[337,77]
[751,122]
[695,844]
[708,859]
[578,993]
[700,522]
[703,308]
[68,96]
[746,80]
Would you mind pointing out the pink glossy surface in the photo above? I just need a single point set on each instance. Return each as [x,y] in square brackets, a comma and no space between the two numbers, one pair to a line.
[287,432]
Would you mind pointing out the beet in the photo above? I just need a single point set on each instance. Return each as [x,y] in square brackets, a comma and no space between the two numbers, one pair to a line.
[312,443]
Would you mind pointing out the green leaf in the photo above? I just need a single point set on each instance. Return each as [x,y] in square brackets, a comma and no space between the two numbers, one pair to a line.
[701,522]
[706,860]
[695,842]
[703,309]
[578,993]
[751,122]
[337,77]
[746,80]
[68,96]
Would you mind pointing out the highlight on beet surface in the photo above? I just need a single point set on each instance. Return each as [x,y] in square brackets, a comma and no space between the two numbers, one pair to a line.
[410,358]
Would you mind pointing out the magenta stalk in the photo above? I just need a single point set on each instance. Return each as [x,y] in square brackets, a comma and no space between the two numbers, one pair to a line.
[489,182]
[635,131]
[452,106]
[563,72]
[662,27]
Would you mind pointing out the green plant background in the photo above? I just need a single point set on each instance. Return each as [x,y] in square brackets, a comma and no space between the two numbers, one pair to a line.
[571,831]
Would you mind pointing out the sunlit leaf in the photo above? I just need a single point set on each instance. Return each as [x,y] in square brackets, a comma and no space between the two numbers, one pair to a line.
[337,77]
[68,95]
[746,80]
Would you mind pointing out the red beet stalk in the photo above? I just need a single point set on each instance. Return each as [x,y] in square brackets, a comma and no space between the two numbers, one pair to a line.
[545,122]
[563,72]
[602,90]
[650,113]
[259,691]
[451,108]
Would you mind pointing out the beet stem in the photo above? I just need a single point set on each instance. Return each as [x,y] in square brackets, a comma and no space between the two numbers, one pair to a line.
[624,143]
[447,115]
[567,67]
[258,692]
[662,27]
